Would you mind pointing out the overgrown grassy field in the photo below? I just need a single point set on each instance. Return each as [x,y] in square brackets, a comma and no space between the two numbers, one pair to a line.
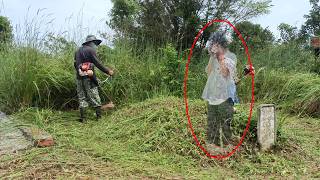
[47,80]
[146,136]
[150,140]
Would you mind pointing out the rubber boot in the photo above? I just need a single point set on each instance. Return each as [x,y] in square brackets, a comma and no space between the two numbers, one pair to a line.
[98,112]
[82,115]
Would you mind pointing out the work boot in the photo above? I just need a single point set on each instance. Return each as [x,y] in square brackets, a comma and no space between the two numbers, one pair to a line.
[82,115]
[98,112]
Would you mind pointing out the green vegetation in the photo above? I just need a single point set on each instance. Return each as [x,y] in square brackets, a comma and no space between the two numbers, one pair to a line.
[255,36]
[147,135]
[5,31]
[177,21]
[150,140]
[47,81]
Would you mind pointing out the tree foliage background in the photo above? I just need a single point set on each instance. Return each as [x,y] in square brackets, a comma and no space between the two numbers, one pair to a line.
[255,36]
[177,21]
[312,24]
[310,28]
[5,30]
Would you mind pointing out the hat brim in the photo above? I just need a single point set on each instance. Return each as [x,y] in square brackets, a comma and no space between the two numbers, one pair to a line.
[97,42]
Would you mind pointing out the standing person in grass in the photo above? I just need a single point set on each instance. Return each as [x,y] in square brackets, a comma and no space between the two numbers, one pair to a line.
[233,57]
[219,92]
[87,84]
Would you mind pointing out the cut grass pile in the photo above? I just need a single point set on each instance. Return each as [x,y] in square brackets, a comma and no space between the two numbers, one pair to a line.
[151,140]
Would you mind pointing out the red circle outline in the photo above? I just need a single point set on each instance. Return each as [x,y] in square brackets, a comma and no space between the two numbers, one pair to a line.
[185,90]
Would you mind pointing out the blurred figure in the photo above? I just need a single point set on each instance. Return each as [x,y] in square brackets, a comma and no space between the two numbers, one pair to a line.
[220,91]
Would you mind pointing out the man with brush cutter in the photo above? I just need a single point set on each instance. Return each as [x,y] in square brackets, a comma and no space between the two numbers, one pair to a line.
[87,83]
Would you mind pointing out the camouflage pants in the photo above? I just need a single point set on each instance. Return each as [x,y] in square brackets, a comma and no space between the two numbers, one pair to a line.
[88,93]
[219,123]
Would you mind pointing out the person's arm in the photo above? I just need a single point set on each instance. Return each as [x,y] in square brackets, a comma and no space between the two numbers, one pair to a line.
[224,69]
[209,67]
[228,68]
[233,59]
[97,63]
[223,65]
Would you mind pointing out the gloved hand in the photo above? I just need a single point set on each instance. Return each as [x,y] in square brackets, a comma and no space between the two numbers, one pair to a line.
[90,73]
[111,72]
[248,71]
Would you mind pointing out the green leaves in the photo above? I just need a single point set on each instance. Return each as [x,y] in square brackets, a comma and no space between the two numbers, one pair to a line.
[288,33]
[312,24]
[176,21]
[5,30]
[172,74]
[255,36]
[123,15]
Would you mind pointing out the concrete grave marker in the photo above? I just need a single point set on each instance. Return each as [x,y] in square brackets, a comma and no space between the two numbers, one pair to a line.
[14,137]
[266,126]
[11,138]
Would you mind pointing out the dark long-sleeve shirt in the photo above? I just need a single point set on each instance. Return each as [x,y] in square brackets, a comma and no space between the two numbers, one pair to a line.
[88,54]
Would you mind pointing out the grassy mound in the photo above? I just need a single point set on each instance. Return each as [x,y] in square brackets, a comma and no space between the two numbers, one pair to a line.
[156,125]
[152,138]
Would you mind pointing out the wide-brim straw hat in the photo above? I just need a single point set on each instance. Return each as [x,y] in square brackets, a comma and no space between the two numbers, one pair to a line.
[92,38]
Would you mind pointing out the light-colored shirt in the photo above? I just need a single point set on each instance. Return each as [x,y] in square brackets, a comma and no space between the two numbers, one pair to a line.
[233,87]
[219,88]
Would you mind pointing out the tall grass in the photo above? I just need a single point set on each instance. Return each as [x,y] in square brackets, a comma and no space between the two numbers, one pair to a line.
[40,73]
[31,77]
[286,57]
[293,92]
[282,77]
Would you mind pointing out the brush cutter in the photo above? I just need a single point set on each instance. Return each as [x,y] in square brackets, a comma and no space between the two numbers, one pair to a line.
[110,105]
[108,79]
